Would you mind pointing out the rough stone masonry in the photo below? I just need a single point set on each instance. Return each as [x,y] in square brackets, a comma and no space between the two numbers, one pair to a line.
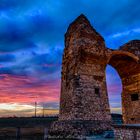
[84,105]
[127,132]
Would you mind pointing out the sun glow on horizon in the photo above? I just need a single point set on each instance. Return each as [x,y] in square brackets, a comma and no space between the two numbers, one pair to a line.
[32,44]
[23,110]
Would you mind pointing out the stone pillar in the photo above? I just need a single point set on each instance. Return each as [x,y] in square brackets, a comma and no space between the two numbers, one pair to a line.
[84,106]
[84,93]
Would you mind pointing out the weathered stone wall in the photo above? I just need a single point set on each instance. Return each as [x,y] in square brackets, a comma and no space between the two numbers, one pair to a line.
[127,132]
[77,129]
[83,74]
[131,85]
[128,67]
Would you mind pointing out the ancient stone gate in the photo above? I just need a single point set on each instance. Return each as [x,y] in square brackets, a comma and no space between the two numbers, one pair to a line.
[83,87]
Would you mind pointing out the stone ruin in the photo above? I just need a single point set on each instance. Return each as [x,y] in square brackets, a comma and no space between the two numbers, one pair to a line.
[84,105]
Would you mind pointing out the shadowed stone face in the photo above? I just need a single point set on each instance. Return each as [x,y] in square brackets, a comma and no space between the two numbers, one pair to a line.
[131,84]
[129,70]
[84,94]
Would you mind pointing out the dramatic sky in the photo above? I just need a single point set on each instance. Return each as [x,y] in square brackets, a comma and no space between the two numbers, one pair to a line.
[32,43]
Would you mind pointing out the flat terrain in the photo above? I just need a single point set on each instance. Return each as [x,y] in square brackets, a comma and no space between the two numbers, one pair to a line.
[30,128]
[33,128]
[26,122]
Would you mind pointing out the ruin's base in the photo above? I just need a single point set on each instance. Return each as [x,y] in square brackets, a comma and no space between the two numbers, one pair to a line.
[77,129]
[127,132]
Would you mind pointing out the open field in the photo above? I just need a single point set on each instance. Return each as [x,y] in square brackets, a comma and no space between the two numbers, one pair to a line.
[10,133]
[31,128]
[26,122]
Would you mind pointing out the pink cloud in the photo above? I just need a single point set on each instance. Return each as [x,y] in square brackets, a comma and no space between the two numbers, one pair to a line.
[114,88]
[25,89]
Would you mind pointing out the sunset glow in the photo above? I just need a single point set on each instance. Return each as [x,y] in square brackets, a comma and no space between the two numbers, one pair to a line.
[32,43]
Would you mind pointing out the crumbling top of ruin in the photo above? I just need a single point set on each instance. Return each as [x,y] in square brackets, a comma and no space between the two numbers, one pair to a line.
[132,46]
[82,27]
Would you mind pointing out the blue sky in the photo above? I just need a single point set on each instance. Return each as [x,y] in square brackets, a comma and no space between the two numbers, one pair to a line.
[32,43]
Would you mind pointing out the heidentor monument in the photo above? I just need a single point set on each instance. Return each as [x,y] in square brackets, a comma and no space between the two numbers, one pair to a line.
[84,105]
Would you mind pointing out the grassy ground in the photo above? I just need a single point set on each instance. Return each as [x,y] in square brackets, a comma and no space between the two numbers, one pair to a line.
[26,133]
[26,122]
[33,128]
[30,128]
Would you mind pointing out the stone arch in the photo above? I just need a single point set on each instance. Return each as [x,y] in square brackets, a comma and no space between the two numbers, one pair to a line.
[127,66]
[126,53]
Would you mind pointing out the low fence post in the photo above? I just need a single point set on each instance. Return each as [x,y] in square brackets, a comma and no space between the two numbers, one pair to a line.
[45,133]
[18,133]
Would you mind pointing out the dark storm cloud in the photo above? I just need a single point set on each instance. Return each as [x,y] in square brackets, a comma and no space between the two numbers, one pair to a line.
[15,70]
[42,64]
[51,58]
[14,37]
[5,70]
[43,28]
[6,5]
[40,23]
[7,58]
[47,63]
[30,25]
[30,70]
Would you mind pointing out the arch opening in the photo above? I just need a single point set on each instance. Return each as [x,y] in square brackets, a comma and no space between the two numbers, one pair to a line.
[114,88]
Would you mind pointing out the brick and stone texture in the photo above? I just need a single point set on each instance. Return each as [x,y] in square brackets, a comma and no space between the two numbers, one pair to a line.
[131,84]
[84,95]
[127,132]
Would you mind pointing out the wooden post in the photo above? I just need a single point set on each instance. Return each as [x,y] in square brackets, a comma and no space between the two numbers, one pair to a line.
[35,108]
[18,133]
[45,133]
[43,111]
